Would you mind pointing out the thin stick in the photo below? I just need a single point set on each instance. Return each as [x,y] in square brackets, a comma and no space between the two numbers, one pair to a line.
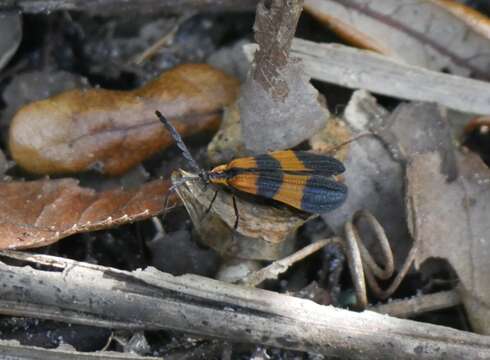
[419,304]
[336,63]
[163,41]
[278,267]
[13,350]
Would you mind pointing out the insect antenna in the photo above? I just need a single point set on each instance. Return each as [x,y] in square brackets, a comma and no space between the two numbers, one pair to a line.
[355,138]
[180,144]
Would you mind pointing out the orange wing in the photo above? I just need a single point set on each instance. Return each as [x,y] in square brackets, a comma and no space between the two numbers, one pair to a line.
[289,160]
[311,193]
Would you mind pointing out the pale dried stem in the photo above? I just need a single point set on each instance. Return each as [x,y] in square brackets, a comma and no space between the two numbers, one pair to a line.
[273,270]
[154,300]
[419,304]
[12,350]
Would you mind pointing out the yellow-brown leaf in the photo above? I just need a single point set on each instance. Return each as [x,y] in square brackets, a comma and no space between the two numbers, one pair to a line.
[112,131]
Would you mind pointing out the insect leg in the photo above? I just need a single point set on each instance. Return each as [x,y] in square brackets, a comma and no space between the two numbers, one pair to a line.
[165,202]
[236,213]
[210,205]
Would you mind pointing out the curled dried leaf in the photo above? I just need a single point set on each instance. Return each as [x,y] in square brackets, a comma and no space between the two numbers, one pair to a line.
[263,232]
[39,213]
[476,20]
[450,220]
[417,32]
[112,131]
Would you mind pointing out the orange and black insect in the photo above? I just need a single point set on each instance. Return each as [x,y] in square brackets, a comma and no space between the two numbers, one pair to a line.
[300,179]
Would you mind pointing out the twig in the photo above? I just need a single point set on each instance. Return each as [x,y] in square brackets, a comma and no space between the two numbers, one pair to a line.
[278,267]
[361,69]
[277,89]
[108,7]
[13,350]
[151,299]
[163,41]
[202,350]
[419,304]
[108,342]
[275,26]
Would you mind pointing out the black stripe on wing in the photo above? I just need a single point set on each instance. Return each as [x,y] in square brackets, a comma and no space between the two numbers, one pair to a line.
[299,161]
[324,164]
[322,194]
[308,192]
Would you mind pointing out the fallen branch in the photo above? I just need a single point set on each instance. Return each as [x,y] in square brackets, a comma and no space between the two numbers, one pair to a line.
[107,7]
[13,350]
[362,69]
[151,299]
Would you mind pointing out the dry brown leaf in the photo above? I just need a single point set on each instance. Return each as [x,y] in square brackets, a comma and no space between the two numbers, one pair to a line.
[38,213]
[416,32]
[112,131]
[451,220]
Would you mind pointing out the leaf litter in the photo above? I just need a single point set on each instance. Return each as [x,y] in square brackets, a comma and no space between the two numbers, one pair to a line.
[409,174]
[39,213]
